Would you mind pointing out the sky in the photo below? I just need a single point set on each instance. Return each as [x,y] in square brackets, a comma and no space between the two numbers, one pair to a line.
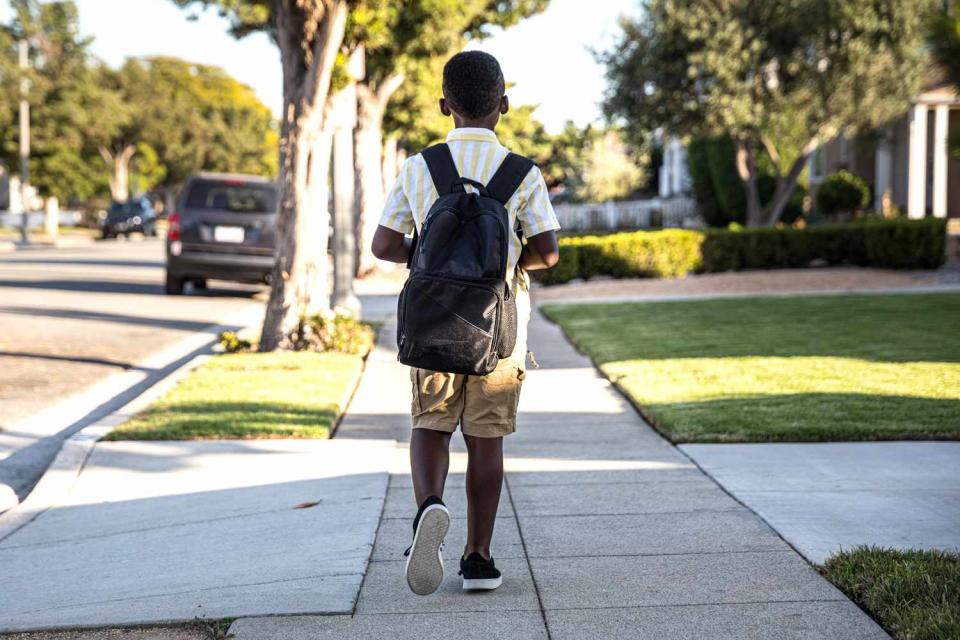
[547,57]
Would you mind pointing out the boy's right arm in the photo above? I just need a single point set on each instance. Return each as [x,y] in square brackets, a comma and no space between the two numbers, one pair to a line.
[391,245]
[389,241]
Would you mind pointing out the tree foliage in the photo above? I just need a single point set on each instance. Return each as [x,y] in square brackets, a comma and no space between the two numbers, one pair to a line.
[782,76]
[171,117]
[945,42]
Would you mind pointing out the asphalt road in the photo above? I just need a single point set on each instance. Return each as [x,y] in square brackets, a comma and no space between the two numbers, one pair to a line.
[70,318]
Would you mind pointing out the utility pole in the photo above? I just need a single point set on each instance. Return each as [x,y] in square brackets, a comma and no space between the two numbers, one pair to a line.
[24,140]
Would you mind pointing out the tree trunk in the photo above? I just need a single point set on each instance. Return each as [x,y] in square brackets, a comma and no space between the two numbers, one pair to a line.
[787,184]
[299,284]
[747,170]
[391,164]
[368,160]
[119,165]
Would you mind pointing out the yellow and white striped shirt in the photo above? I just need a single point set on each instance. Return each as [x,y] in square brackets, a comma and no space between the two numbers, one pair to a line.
[477,154]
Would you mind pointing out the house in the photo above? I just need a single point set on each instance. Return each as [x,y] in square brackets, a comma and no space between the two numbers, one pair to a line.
[674,175]
[909,159]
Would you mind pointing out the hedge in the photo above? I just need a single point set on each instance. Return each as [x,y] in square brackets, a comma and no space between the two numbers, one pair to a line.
[892,244]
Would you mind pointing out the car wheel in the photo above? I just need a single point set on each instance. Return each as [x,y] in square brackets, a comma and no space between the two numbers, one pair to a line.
[200,283]
[174,285]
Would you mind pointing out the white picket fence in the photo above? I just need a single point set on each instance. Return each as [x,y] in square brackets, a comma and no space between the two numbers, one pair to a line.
[634,214]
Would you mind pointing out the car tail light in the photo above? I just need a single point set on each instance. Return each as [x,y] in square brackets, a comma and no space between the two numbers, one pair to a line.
[173,227]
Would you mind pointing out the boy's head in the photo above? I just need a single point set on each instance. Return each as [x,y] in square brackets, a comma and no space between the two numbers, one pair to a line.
[473,89]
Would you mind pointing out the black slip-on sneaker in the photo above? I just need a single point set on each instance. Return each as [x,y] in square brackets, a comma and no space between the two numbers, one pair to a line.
[425,555]
[479,573]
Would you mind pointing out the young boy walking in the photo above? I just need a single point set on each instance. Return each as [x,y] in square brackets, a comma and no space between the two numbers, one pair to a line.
[484,406]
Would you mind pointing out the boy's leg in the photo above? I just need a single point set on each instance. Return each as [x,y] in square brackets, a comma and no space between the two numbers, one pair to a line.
[484,481]
[429,462]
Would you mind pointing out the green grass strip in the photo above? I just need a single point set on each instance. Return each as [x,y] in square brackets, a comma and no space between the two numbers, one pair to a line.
[914,594]
[251,395]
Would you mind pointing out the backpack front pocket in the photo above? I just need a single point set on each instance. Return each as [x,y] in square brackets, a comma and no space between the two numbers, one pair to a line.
[448,325]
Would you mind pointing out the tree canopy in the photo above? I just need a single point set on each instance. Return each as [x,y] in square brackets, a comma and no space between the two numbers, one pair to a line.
[785,76]
[166,117]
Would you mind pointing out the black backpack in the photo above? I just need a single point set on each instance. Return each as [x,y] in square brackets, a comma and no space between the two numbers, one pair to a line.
[456,313]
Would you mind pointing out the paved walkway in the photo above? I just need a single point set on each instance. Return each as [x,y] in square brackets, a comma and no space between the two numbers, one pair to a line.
[766,282]
[158,532]
[824,497]
[605,531]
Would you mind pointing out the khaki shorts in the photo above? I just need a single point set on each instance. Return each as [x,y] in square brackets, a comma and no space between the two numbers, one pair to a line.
[484,406]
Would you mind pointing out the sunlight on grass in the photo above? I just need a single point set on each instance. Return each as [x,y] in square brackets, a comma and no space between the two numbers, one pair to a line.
[914,594]
[251,395]
[802,368]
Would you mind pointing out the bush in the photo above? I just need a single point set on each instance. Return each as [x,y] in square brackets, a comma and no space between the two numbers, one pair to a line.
[326,331]
[230,342]
[892,244]
[843,192]
[332,331]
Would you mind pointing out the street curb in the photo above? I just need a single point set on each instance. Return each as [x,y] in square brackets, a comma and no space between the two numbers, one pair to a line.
[936,288]
[60,475]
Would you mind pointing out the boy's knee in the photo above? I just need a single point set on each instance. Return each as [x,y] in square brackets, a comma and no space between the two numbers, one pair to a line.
[483,445]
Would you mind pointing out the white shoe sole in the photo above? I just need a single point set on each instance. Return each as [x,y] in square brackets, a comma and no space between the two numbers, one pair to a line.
[482,584]
[425,562]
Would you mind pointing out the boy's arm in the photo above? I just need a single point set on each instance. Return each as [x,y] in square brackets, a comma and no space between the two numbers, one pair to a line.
[539,224]
[540,252]
[391,245]
[389,241]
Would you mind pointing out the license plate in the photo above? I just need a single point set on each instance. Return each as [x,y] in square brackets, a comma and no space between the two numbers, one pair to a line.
[228,234]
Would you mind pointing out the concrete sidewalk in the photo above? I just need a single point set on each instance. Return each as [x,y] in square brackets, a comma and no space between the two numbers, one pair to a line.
[825,497]
[605,531]
[156,532]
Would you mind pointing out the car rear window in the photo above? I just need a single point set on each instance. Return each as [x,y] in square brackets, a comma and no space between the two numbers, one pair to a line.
[233,196]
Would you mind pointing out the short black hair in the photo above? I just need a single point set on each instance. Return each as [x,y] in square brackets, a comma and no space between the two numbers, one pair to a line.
[473,83]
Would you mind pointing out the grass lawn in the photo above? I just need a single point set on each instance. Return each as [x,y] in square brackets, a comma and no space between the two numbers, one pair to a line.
[838,367]
[914,594]
[251,395]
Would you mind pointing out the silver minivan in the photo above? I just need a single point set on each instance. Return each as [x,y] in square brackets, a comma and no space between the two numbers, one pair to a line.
[224,228]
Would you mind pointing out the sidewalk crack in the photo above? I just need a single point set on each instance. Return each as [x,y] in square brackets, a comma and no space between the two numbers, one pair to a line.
[526,557]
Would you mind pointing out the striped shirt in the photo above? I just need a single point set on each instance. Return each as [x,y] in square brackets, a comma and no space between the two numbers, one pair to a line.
[477,154]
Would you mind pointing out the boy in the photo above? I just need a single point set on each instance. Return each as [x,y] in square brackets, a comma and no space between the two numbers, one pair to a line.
[484,406]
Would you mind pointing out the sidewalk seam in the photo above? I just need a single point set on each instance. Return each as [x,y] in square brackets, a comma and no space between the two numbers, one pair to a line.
[376,536]
[526,557]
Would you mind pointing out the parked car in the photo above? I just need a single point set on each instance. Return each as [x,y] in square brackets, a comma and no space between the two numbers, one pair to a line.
[224,228]
[134,215]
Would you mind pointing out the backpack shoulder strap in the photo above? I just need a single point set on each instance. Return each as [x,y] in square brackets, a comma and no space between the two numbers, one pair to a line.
[442,168]
[508,177]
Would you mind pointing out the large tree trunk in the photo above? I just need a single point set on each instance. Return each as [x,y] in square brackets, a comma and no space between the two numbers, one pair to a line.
[309,39]
[747,170]
[119,164]
[391,164]
[368,160]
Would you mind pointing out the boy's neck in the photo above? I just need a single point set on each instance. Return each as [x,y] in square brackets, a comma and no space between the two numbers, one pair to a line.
[482,123]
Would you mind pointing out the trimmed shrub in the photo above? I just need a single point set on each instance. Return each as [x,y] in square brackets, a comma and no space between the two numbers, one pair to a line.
[892,244]
[843,192]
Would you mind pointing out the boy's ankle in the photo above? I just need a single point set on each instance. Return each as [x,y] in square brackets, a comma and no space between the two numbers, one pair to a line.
[485,553]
